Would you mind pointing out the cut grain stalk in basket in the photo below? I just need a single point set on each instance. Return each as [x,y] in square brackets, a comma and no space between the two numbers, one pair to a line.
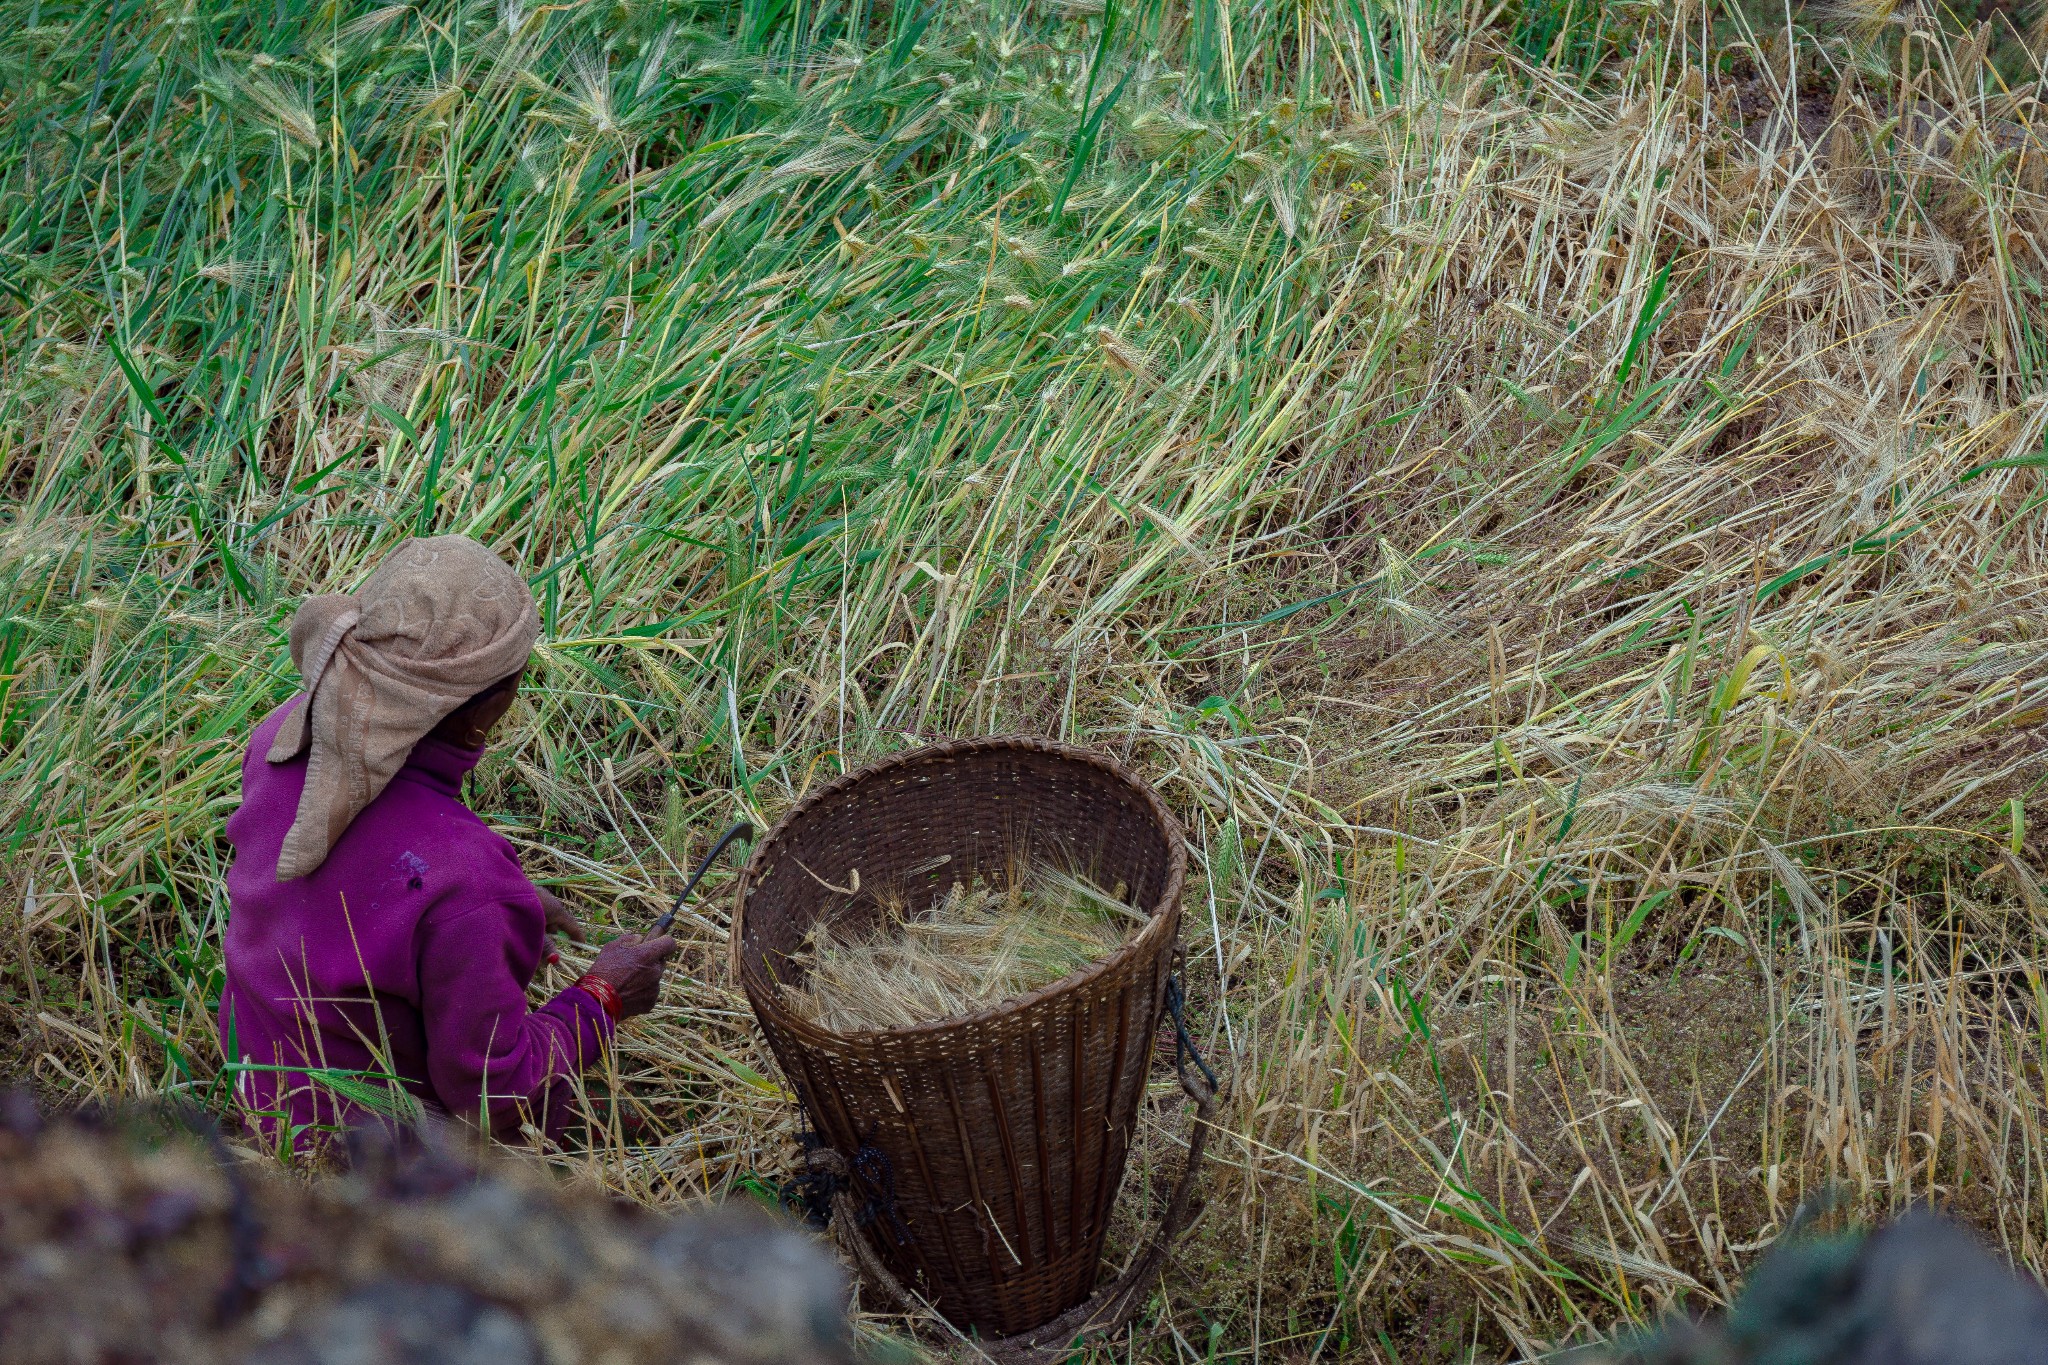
[977,945]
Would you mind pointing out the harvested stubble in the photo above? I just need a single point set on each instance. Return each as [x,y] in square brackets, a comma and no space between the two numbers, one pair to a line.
[979,944]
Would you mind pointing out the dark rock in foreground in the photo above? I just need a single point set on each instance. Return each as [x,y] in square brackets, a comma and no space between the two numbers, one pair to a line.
[134,1241]
[1921,1291]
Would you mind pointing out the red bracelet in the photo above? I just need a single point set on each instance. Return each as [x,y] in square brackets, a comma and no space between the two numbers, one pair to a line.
[602,991]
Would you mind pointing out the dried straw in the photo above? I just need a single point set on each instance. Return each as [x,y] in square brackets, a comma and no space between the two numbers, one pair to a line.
[975,946]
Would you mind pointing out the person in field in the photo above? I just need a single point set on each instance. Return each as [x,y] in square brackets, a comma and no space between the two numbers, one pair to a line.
[378,931]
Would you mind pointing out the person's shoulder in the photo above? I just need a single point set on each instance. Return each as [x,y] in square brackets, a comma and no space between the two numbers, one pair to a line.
[417,812]
[442,832]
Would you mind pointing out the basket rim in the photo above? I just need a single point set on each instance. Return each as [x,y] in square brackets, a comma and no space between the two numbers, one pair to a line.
[1159,916]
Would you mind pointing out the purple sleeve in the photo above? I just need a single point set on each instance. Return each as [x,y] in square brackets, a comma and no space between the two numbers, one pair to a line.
[489,1057]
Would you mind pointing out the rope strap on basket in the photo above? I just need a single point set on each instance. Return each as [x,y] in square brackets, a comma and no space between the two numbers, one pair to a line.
[822,1186]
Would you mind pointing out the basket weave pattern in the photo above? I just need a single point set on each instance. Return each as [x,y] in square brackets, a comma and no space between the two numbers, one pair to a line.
[1005,1131]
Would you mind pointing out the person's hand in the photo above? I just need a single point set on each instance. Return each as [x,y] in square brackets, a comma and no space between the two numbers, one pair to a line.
[632,965]
[558,918]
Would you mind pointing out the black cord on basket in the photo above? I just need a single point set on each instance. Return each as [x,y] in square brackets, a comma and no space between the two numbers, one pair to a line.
[872,1165]
[1183,1042]
[811,1189]
[815,1186]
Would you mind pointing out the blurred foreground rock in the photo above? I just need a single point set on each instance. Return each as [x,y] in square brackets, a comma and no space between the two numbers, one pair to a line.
[128,1239]
[1921,1291]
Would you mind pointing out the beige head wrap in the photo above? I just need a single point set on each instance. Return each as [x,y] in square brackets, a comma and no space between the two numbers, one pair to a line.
[439,621]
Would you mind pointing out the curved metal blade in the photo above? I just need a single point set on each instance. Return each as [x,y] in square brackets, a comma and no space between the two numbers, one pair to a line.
[740,831]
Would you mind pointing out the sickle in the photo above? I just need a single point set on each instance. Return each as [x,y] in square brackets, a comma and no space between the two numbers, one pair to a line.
[742,830]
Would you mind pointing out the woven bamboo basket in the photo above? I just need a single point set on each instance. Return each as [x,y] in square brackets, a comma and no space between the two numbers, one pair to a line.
[1001,1135]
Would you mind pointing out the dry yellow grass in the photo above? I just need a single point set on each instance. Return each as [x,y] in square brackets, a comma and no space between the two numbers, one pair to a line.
[1566,540]
[974,947]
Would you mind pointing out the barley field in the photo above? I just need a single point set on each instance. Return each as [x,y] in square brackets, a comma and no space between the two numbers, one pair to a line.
[1549,492]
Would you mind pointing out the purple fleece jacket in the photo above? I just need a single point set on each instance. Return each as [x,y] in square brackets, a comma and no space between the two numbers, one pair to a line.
[407,953]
